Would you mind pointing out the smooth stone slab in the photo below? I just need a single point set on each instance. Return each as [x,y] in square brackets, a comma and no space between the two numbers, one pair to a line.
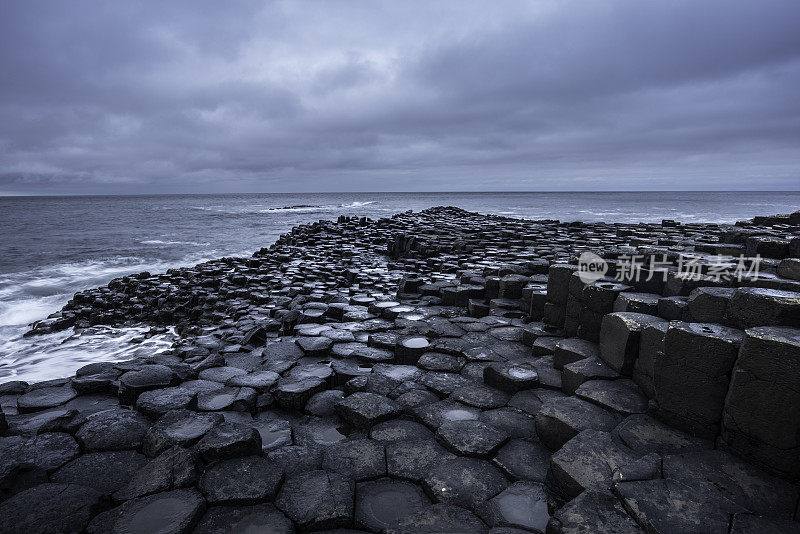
[358,459]
[157,402]
[44,398]
[181,427]
[401,430]
[258,380]
[561,419]
[480,396]
[511,377]
[522,459]
[514,422]
[620,396]
[229,440]
[643,434]
[593,511]
[435,414]
[363,409]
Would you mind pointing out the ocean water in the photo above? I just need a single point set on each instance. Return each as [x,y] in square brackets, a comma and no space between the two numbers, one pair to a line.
[51,247]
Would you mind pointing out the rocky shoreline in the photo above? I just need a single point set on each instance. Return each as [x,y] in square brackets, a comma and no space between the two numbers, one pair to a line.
[438,371]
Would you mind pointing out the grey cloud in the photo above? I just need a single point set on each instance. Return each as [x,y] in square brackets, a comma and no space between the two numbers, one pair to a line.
[250,96]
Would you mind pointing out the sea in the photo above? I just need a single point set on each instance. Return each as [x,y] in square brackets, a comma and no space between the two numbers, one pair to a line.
[51,247]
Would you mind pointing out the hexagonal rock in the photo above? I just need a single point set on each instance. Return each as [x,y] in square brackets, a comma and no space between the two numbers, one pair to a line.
[105,472]
[589,459]
[296,459]
[692,375]
[755,306]
[157,402]
[435,414]
[362,409]
[415,459]
[381,503]
[512,421]
[594,510]
[651,346]
[43,398]
[50,507]
[358,459]
[173,469]
[666,506]
[763,400]
[437,361]
[258,380]
[115,429]
[170,511]
[619,339]
[229,440]
[293,394]
[47,451]
[254,518]
[561,419]
[240,480]
[314,346]
[439,518]
[747,523]
[522,459]
[227,398]
[399,430]
[465,482]
[480,396]
[522,505]
[577,373]
[133,383]
[740,482]
[511,377]
[573,350]
[408,350]
[620,396]
[181,427]
[643,434]
[471,438]
[317,500]
[220,374]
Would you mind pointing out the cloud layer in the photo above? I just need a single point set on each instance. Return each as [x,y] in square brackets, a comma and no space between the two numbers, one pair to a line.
[128,97]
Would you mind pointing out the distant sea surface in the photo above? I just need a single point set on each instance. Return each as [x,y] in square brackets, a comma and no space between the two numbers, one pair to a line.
[51,247]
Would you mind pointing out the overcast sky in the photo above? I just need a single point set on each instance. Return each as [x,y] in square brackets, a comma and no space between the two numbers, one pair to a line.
[126,97]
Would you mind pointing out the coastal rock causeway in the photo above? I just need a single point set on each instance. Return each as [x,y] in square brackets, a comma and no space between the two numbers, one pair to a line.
[433,371]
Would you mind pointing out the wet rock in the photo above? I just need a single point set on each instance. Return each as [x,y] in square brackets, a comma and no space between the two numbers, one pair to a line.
[522,504]
[439,518]
[322,403]
[112,430]
[480,396]
[315,346]
[561,419]
[229,440]
[317,500]
[511,377]
[228,398]
[293,394]
[471,438]
[254,518]
[181,427]
[643,434]
[258,380]
[619,396]
[240,480]
[584,370]
[619,339]
[742,483]
[437,361]
[381,503]
[415,459]
[359,459]
[521,459]
[363,409]
[667,506]
[169,512]
[692,377]
[133,383]
[175,468]
[105,472]
[651,348]
[752,306]
[587,460]
[51,507]
[44,398]
[435,414]
[746,523]
[464,482]
[572,350]
[514,422]
[399,430]
[220,374]
[763,400]
[594,510]
[296,459]
[157,402]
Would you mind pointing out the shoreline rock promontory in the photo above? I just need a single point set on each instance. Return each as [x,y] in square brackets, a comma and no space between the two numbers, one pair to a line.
[437,371]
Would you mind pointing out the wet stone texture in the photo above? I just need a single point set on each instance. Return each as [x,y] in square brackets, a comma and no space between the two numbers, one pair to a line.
[439,371]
